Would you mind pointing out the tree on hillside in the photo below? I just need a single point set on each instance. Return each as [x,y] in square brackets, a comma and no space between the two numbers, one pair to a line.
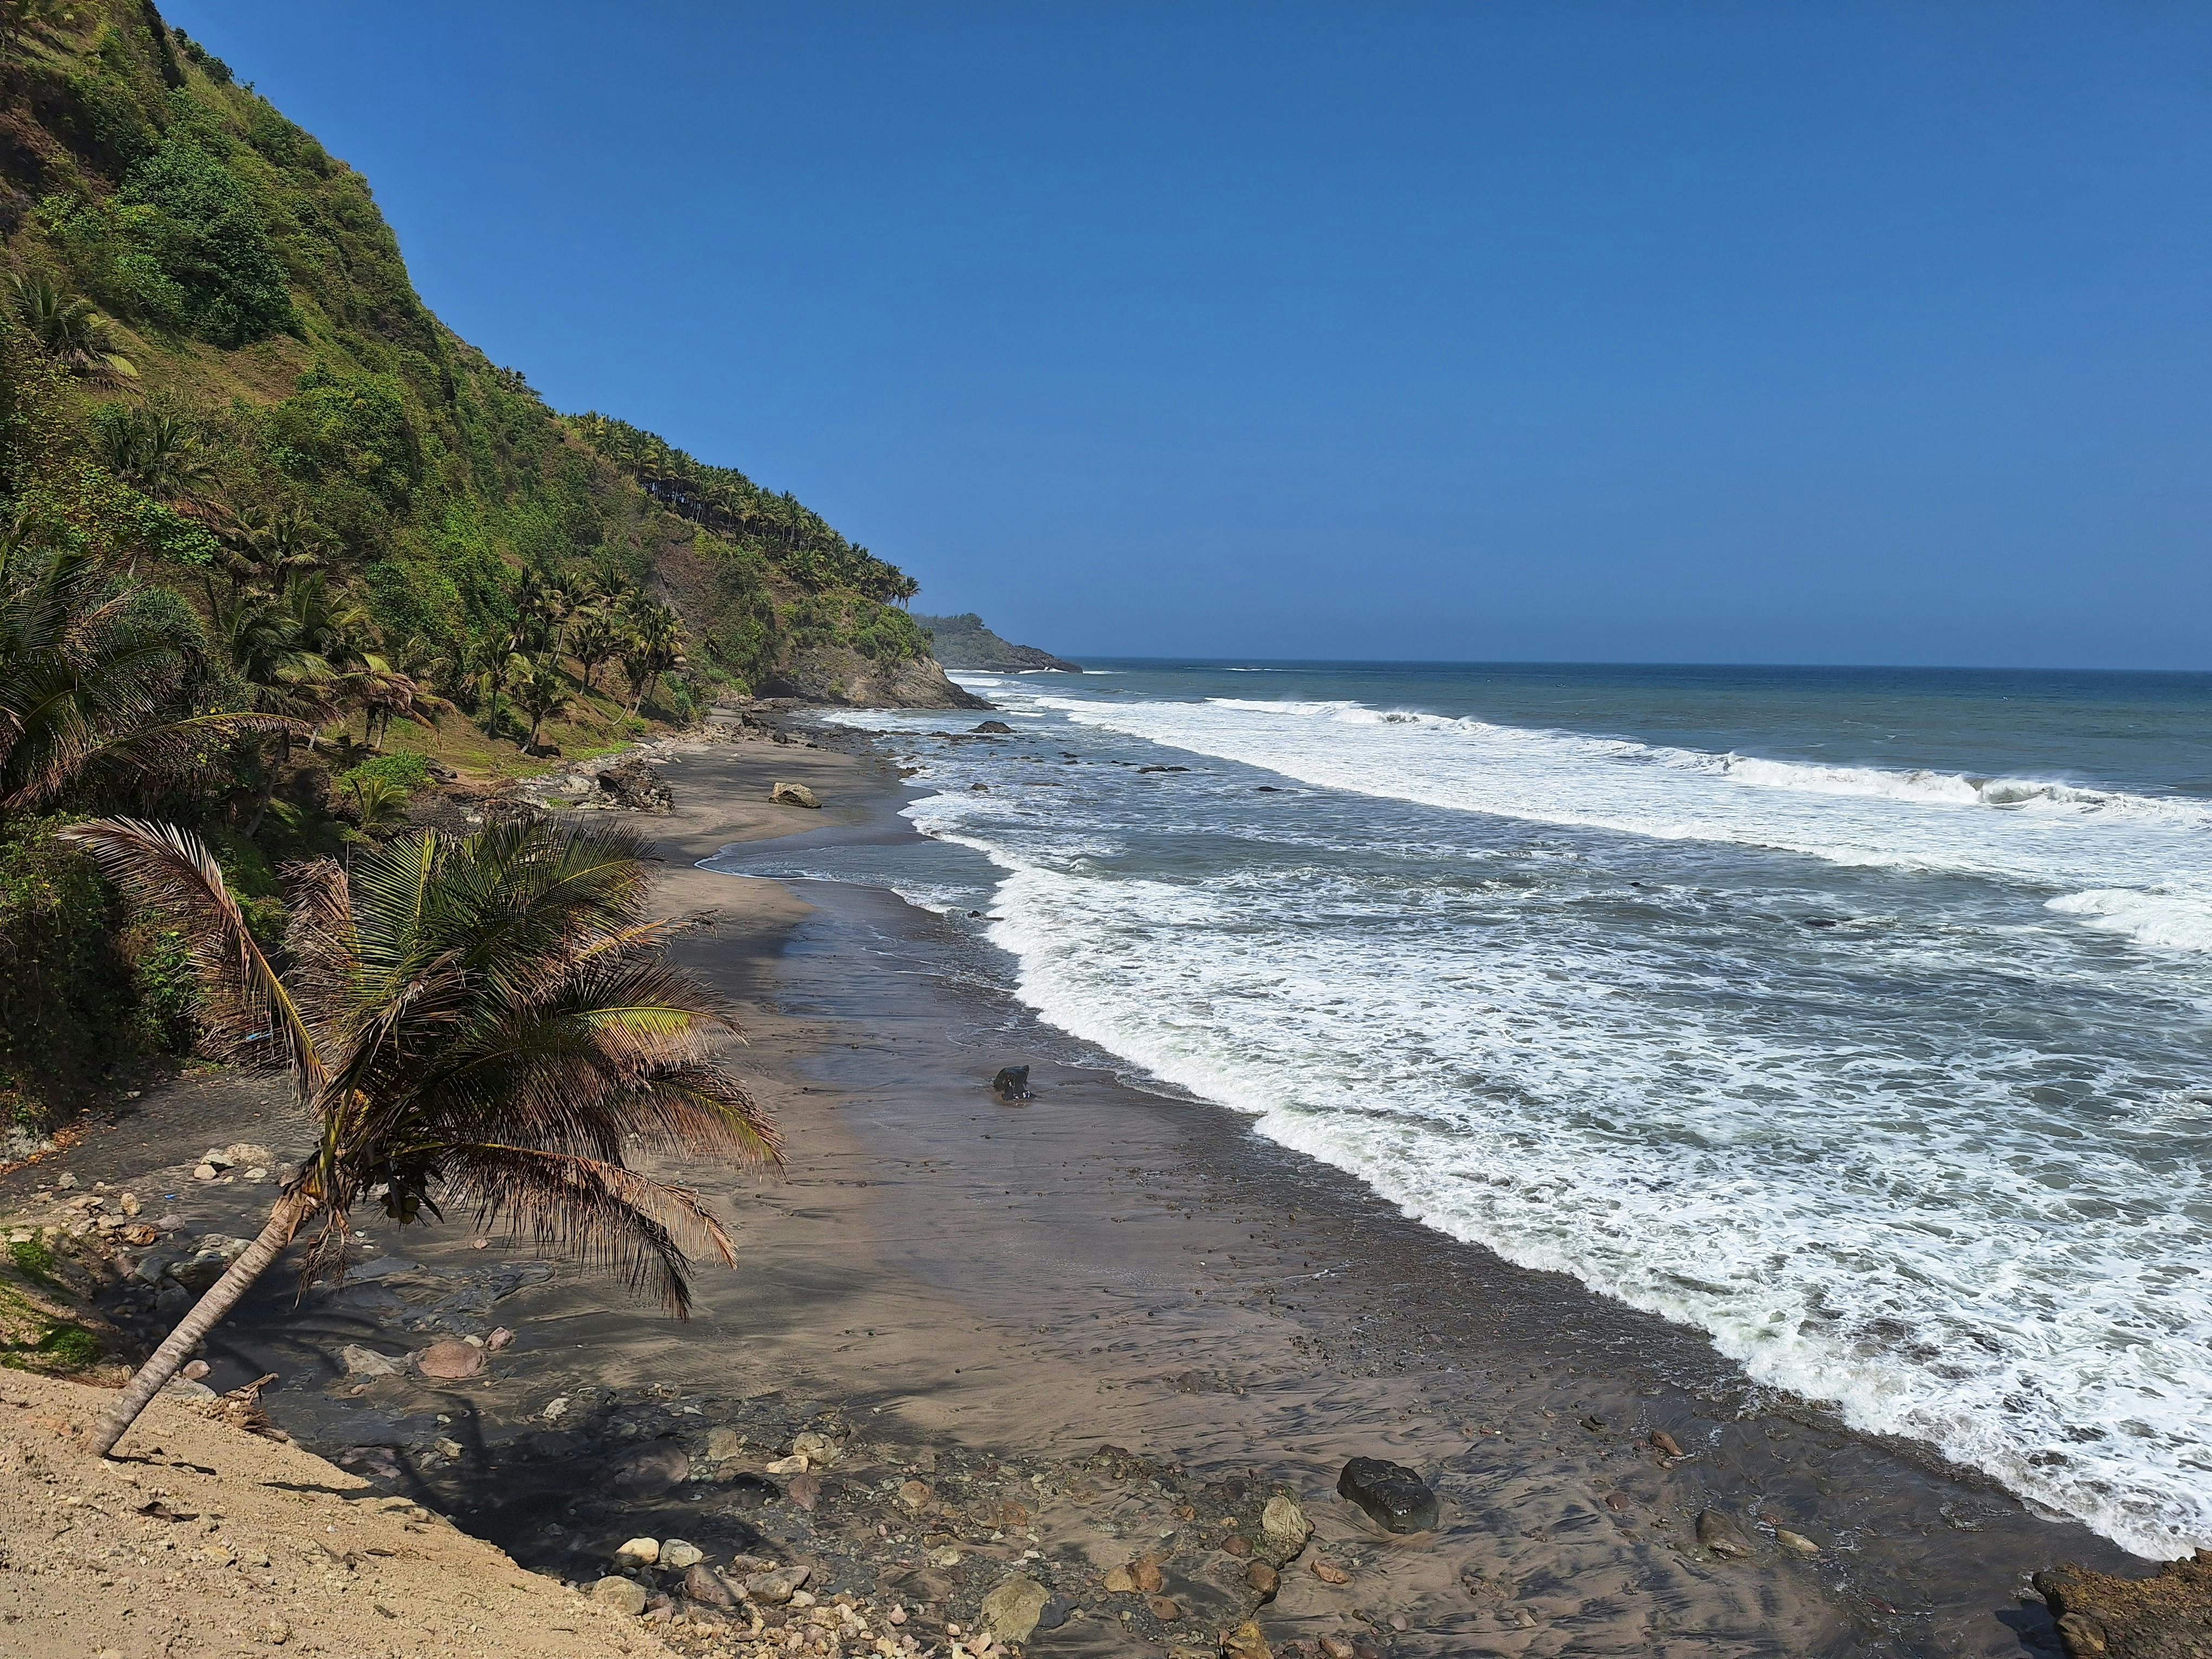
[484,1022]
[154,451]
[656,645]
[594,638]
[541,693]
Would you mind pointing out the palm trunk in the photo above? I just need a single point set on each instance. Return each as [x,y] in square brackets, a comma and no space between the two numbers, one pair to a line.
[207,1313]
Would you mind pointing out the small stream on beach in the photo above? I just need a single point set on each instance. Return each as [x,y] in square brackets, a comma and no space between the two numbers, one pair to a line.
[1858,1020]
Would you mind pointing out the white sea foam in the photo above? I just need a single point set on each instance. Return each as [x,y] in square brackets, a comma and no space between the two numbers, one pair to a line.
[2062,836]
[1907,1207]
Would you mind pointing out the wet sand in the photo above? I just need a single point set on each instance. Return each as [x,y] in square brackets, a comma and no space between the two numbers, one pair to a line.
[1021,1282]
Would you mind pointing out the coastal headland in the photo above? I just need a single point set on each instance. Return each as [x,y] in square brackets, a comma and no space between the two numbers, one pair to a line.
[1071,1345]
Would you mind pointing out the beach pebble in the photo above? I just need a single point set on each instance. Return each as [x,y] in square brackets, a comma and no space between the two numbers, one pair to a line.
[804,1489]
[1393,1495]
[499,1338]
[1285,1522]
[914,1494]
[677,1553]
[1795,1542]
[1165,1608]
[1664,1444]
[450,1361]
[770,1590]
[703,1584]
[639,1552]
[723,1444]
[621,1594]
[1245,1642]
[819,1450]
[1262,1579]
[1328,1572]
[204,1172]
[794,1464]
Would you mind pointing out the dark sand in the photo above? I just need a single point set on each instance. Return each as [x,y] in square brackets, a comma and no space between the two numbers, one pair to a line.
[1105,1264]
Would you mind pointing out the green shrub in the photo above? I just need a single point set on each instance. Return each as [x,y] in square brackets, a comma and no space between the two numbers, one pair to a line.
[403,770]
[347,426]
[211,241]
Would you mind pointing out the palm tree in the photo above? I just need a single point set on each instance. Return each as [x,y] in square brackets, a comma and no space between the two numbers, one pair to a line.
[155,451]
[67,328]
[593,639]
[264,549]
[656,646]
[381,805]
[541,693]
[484,1021]
[99,671]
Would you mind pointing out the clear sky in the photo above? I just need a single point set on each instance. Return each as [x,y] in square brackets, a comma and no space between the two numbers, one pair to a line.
[1534,329]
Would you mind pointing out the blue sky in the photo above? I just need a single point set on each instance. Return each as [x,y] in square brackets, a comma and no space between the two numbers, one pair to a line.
[1549,330]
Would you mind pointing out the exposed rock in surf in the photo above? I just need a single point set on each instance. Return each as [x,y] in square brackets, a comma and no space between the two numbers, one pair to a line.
[1721,1536]
[1013,1083]
[1003,730]
[2167,1615]
[1394,1498]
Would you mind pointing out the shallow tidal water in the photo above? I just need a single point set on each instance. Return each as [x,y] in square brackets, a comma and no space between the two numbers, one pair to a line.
[1857,1018]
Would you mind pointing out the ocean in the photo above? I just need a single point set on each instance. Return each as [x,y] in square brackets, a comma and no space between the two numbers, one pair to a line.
[1858,1018]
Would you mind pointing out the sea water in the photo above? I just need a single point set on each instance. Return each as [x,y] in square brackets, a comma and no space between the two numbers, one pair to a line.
[1859,1018]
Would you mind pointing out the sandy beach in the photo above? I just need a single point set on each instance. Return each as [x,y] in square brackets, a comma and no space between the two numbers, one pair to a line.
[980,1296]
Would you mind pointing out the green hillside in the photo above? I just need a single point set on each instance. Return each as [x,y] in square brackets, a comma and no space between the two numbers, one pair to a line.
[248,277]
[277,549]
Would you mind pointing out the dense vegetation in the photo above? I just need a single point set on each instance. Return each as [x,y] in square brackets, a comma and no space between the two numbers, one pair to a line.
[268,524]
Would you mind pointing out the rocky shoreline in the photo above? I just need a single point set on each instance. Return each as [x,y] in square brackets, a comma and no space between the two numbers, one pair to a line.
[1044,1367]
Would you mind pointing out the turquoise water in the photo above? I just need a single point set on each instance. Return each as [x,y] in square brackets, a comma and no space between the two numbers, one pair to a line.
[1859,1018]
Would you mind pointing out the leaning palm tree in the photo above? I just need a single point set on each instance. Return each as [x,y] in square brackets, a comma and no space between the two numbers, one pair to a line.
[484,1021]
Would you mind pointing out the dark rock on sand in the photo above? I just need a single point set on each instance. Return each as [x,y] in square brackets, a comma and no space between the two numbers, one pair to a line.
[1394,1498]
[786,794]
[1013,1083]
[2167,1615]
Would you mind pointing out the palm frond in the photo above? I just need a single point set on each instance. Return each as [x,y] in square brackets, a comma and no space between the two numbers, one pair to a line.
[170,871]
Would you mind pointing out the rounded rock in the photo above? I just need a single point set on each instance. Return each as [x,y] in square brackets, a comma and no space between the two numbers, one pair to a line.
[623,1594]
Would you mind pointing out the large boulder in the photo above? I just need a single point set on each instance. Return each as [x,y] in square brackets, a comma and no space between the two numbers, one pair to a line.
[785,793]
[1394,1498]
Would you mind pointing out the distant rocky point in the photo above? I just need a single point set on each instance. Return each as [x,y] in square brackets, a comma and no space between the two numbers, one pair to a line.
[963,641]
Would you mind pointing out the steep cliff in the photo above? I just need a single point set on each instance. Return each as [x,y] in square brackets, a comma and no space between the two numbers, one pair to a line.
[208,324]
